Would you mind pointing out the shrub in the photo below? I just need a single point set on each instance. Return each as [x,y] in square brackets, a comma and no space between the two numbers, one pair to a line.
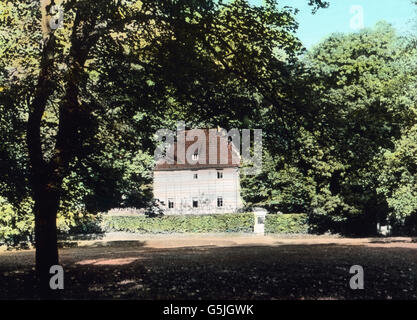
[180,224]
[286,223]
[407,227]
[16,225]
[238,222]
[70,222]
[279,187]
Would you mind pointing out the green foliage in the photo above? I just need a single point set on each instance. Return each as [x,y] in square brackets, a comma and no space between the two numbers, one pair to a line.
[16,226]
[180,224]
[78,223]
[95,90]
[330,150]
[281,187]
[360,92]
[287,223]
[338,122]
[404,227]
[398,178]
[197,61]
[284,224]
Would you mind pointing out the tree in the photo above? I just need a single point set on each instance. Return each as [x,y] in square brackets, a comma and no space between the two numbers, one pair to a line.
[359,106]
[281,187]
[75,98]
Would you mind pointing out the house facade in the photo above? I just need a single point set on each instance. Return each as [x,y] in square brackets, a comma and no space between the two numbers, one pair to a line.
[203,187]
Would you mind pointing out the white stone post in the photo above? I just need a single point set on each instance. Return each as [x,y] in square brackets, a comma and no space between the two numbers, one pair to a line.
[259,226]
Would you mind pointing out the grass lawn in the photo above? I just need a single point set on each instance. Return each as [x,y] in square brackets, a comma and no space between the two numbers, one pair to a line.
[223,267]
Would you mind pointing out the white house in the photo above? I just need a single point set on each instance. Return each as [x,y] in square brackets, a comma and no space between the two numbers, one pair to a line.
[203,187]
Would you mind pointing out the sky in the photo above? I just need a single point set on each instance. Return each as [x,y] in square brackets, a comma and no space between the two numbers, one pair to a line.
[402,14]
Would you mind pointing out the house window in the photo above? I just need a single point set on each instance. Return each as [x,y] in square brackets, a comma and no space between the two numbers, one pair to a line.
[171,204]
[195,203]
[195,176]
[195,156]
[219,175]
[219,202]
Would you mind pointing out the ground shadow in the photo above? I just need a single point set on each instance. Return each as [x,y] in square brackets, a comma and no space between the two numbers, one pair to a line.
[130,270]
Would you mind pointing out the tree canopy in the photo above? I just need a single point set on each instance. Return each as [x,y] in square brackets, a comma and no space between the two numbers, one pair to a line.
[80,99]
[80,103]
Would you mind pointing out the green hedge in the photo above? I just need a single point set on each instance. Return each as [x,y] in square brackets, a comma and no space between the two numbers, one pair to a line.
[180,224]
[286,223]
[242,222]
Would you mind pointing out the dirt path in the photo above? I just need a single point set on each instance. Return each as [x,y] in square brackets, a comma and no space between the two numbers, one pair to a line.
[223,266]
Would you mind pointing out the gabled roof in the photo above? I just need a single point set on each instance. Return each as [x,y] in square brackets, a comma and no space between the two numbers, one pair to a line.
[215,149]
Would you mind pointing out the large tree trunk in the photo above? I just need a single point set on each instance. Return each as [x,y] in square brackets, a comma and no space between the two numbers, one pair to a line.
[47,176]
[46,208]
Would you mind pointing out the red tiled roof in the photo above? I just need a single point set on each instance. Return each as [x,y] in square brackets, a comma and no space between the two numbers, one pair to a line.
[162,165]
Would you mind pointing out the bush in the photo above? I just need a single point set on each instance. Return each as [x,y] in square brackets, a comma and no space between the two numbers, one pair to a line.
[16,226]
[353,225]
[180,224]
[286,223]
[278,188]
[241,222]
[70,223]
[406,227]
[17,223]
